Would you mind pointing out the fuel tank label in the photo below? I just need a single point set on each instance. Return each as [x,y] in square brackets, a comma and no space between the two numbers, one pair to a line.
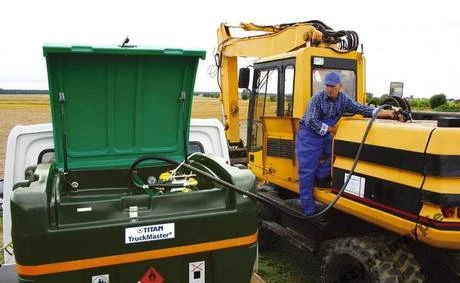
[149,233]
[356,186]
[196,272]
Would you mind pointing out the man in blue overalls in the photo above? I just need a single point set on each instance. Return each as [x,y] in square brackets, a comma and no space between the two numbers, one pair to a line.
[314,137]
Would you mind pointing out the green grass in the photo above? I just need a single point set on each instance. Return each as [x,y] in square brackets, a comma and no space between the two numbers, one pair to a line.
[287,264]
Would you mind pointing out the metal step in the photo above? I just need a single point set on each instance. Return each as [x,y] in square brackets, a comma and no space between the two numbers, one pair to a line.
[296,239]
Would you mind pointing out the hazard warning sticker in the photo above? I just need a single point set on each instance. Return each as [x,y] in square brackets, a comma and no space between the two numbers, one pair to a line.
[151,276]
[149,233]
[196,272]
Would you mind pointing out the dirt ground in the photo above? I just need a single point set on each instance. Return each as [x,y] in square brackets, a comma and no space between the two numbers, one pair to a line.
[20,110]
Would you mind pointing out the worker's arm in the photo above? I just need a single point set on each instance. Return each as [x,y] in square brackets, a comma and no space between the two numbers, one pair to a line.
[312,116]
[356,108]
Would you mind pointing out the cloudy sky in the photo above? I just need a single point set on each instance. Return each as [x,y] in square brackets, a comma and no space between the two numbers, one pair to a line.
[415,42]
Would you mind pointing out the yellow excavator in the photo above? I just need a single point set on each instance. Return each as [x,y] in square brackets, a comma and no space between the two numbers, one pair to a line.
[393,210]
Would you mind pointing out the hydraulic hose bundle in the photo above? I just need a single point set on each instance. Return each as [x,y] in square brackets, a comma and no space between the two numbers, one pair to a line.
[346,40]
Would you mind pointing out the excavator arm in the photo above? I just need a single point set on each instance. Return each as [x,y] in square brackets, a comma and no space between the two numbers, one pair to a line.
[275,41]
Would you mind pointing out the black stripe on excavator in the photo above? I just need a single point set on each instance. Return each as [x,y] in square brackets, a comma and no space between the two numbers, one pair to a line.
[441,199]
[394,195]
[392,190]
[431,164]
[442,165]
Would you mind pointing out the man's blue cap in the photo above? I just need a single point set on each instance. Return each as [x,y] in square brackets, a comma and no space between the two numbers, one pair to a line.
[332,79]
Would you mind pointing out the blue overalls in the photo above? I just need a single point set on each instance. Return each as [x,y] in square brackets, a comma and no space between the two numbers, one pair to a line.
[309,148]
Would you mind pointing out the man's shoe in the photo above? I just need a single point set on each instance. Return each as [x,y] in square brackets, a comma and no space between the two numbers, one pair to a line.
[324,183]
[321,220]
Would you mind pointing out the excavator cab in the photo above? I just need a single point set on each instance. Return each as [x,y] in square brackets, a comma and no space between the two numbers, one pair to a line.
[282,86]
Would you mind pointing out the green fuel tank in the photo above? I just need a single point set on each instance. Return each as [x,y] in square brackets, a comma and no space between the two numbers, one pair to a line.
[90,216]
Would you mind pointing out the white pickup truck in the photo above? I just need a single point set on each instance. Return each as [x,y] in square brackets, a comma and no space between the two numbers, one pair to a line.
[30,145]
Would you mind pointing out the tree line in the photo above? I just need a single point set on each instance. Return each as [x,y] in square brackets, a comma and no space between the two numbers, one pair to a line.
[437,102]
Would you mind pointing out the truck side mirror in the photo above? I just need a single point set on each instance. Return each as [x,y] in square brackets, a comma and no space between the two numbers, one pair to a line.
[243,78]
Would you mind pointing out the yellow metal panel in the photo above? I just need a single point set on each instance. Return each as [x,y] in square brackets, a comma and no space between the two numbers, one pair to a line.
[256,165]
[439,238]
[436,237]
[280,128]
[442,185]
[302,84]
[386,133]
[268,44]
[445,141]
[292,186]
[280,168]
[228,77]
[277,57]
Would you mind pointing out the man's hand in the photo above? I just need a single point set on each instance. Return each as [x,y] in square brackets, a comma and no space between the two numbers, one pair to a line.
[384,113]
[332,129]
[392,114]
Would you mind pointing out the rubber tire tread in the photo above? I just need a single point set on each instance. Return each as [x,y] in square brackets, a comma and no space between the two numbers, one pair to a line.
[379,269]
[404,259]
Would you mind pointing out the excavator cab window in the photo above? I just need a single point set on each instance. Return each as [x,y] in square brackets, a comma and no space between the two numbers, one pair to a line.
[268,88]
[273,94]
[264,103]
[348,80]
[288,90]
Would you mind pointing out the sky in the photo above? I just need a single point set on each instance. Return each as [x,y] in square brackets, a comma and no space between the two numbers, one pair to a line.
[415,42]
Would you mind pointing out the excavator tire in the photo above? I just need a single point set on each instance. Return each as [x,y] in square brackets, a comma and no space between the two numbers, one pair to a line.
[365,259]
[403,258]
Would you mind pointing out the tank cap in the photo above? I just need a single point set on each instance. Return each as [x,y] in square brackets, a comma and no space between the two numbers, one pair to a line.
[448,122]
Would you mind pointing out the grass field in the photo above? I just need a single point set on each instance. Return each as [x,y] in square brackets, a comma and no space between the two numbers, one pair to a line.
[34,109]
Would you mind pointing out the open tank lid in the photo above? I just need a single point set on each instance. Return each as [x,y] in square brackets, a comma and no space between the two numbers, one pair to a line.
[110,105]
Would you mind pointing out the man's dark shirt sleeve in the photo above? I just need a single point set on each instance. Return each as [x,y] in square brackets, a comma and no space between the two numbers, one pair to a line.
[313,115]
[354,107]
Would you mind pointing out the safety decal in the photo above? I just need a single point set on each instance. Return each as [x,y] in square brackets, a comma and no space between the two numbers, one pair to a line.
[151,276]
[356,186]
[196,272]
[104,278]
[149,233]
